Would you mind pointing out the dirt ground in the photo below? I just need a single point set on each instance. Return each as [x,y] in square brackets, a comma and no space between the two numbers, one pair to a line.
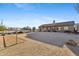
[9,39]
[30,47]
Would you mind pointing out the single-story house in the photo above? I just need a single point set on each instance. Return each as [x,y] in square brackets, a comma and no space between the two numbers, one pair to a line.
[61,26]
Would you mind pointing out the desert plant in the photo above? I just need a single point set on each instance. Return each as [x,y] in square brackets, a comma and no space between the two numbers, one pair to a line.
[71,42]
[26,28]
[2,28]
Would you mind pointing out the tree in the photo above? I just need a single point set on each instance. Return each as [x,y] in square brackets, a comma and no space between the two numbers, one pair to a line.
[26,28]
[34,28]
[76,6]
[2,28]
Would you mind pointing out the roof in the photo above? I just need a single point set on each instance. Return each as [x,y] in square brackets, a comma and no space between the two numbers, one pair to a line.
[59,24]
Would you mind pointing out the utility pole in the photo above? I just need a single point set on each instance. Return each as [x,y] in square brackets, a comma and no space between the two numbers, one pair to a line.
[2,22]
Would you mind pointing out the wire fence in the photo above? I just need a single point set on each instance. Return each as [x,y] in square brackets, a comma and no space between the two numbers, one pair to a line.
[8,39]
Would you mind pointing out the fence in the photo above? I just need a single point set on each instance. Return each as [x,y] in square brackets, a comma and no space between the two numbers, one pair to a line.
[8,39]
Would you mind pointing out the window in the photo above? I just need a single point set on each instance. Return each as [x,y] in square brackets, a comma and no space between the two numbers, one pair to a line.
[59,28]
[66,28]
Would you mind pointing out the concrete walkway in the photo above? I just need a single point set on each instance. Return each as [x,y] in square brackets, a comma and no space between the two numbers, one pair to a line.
[75,49]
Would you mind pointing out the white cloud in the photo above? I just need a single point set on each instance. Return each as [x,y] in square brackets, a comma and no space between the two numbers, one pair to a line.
[23,6]
[18,5]
[26,6]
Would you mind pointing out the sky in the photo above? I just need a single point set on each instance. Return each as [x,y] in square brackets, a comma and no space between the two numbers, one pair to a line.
[36,14]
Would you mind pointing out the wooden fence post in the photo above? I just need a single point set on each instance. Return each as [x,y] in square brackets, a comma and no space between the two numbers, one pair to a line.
[4,43]
[16,36]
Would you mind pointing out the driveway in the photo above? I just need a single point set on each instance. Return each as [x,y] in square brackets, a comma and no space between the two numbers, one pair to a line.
[55,38]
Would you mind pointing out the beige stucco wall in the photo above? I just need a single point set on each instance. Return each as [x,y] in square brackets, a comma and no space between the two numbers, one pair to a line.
[62,28]
[71,28]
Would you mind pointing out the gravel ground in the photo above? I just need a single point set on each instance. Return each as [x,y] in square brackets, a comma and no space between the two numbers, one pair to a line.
[30,47]
[53,37]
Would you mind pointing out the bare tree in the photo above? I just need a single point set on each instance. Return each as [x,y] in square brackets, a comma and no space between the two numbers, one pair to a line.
[34,28]
[76,6]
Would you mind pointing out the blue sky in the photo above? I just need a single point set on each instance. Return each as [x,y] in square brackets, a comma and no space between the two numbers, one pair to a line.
[30,14]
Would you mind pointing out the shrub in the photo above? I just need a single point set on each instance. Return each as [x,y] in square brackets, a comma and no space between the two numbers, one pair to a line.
[2,28]
[71,42]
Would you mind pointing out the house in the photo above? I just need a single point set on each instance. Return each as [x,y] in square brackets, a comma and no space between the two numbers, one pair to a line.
[62,26]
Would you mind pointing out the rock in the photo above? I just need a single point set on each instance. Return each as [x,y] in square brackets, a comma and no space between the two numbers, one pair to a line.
[71,42]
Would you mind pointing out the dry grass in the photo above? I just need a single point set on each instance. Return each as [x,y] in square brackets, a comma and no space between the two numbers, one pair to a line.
[32,47]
